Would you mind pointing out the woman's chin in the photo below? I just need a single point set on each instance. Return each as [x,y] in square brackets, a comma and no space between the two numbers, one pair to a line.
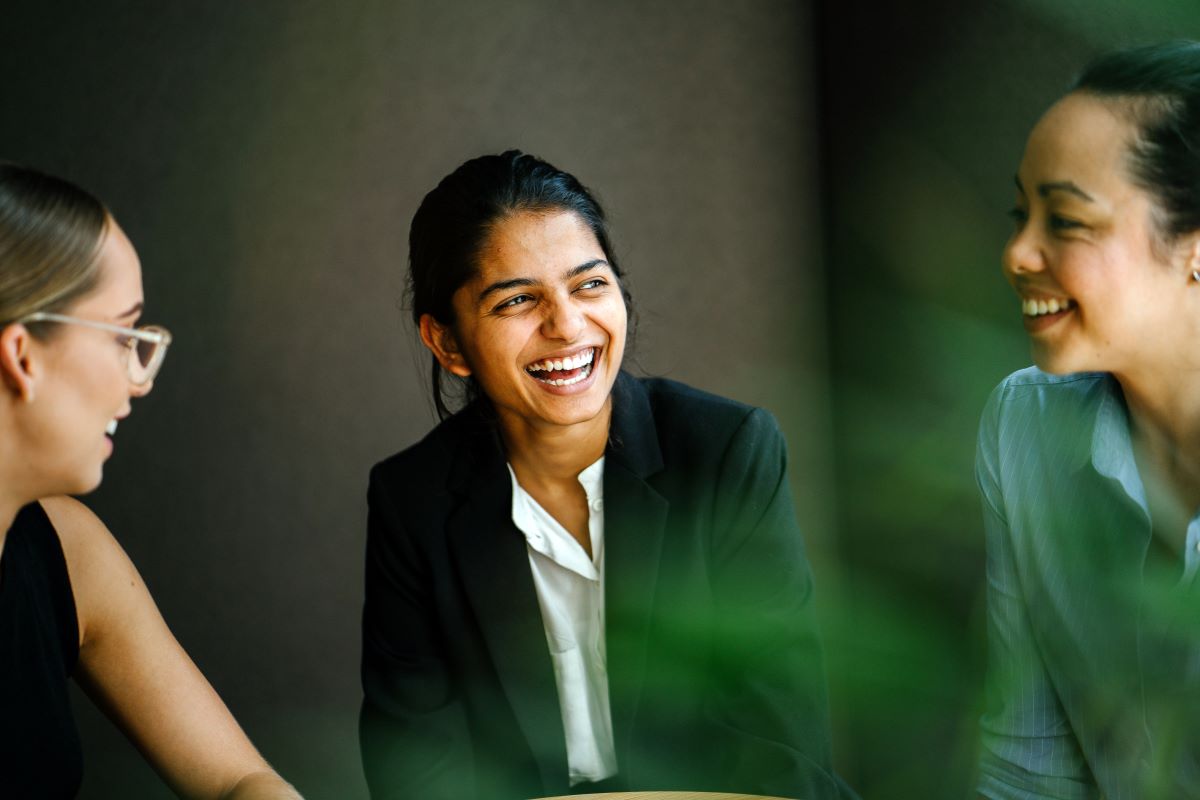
[1052,368]
[567,411]
[1056,361]
[86,483]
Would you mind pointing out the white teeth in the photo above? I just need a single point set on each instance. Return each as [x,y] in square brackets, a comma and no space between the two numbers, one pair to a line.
[587,370]
[570,362]
[1036,308]
[112,427]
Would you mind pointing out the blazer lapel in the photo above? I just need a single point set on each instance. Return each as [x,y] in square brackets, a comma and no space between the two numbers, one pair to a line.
[492,557]
[634,519]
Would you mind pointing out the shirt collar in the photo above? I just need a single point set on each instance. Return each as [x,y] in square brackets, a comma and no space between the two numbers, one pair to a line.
[592,480]
[1112,446]
[547,536]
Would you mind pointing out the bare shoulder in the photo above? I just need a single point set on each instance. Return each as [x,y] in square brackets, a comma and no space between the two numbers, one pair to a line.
[101,573]
[86,540]
[72,519]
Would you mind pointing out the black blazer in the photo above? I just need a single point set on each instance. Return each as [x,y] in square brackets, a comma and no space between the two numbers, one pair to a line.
[715,672]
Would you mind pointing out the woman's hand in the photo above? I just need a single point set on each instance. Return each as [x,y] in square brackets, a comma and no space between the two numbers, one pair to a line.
[133,668]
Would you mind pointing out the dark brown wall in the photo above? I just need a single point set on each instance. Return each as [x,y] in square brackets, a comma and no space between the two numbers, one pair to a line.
[266,158]
[810,201]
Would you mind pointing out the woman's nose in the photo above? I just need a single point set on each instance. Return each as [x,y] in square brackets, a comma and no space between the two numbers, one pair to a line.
[564,320]
[136,390]
[1022,254]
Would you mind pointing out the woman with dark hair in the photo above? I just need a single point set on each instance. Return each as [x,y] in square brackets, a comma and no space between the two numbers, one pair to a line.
[71,603]
[1089,463]
[581,581]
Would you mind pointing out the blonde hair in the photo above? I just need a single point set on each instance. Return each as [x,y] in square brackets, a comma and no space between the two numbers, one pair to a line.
[50,233]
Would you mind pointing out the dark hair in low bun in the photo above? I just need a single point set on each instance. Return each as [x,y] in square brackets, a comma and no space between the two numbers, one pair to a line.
[1163,83]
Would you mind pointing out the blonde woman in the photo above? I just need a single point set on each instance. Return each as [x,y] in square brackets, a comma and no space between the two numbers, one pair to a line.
[72,358]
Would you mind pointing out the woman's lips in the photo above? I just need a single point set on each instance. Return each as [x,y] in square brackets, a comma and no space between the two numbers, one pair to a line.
[110,430]
[565,371]
[1044,321]
[1040,313]
[1038,306]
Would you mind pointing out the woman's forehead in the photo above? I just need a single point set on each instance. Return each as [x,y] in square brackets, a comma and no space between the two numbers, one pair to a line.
[1080,136]
[120,274]
[537,240]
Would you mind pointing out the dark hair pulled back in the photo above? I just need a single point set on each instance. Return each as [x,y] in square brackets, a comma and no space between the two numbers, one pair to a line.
[1163,81]
[453,221]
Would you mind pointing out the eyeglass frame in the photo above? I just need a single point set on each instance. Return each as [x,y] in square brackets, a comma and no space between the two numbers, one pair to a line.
[155,334]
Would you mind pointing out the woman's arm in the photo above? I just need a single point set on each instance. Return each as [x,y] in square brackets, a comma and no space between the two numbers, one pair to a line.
[771,676]
[134,669]
[1028,747]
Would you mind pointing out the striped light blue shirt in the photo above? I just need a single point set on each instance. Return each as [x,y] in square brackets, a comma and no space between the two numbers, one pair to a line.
[1094,638]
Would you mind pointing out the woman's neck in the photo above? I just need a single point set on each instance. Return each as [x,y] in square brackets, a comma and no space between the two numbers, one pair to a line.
[15,489]
[8,512]
[544,454]
[1164,414]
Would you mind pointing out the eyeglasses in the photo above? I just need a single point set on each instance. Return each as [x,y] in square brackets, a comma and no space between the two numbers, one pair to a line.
[146,346]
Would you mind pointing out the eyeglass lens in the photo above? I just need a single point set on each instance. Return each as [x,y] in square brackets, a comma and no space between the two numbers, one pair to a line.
[147,357]
[145,353]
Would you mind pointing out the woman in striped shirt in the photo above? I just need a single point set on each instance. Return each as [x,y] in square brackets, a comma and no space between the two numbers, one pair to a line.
[1089,463]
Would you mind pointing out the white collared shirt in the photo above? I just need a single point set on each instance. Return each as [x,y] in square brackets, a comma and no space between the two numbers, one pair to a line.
[570,592]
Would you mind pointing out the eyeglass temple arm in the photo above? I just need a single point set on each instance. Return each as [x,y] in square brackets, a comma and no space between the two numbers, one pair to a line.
[157,337]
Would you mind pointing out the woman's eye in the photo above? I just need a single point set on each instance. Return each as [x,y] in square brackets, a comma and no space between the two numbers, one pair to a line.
[593,283]
[125,340]
[1058,223]
[1019,216]
[513,302]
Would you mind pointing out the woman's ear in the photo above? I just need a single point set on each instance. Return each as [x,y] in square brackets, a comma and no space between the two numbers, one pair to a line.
[1193,257]
[17,367]
[441,342]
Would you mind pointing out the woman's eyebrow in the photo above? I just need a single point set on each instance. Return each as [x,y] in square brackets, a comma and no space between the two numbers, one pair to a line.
[135,309]
[500,286]
[513,283]
[584,267]
[1044,189]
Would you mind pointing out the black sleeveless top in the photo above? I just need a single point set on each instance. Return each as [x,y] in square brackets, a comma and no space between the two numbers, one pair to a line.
[40,754]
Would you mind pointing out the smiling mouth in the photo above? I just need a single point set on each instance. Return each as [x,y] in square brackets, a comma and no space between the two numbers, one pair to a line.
[563,371]
[1040,307]
[112,427]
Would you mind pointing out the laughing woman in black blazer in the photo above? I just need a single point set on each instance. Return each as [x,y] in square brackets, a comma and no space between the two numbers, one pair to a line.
[581,581]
